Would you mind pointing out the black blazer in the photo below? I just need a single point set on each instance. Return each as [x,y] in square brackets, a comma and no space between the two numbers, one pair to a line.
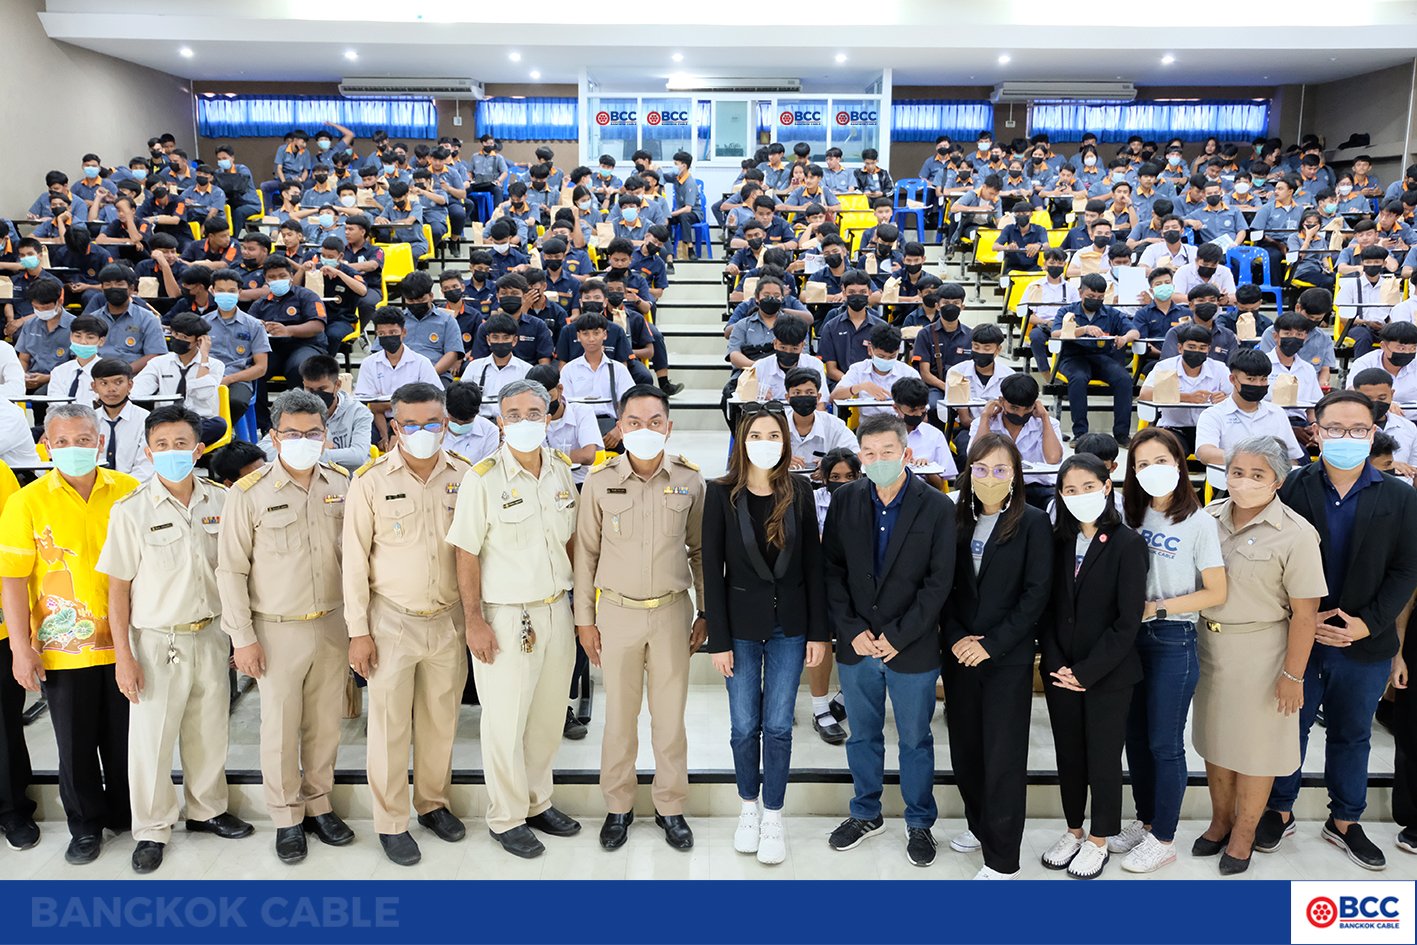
[905,600]
[1004,602]
[745,599]
[1092,622]
[1382,554]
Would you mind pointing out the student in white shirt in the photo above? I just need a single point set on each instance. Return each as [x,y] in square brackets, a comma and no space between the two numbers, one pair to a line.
[1209,267]
[1244,414]
[389,368]
[469,435]
[595,376]
[122,440]
[927,445]
[1360,297]
[1395,354]
[16,437]
[74,378]
[873,377]
[1041,301]
[572,428]
[1376,384]
[1172,255]
[1019,414]
[499,368]
[12,373]
[187,370]
[814,430]
[983,369]
[1202,381]
[789,342]
[1290,333]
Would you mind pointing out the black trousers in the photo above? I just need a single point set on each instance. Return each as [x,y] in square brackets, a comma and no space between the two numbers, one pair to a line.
[1089,730]
[90,720]
[1404,717]
[988,716]
[15,771]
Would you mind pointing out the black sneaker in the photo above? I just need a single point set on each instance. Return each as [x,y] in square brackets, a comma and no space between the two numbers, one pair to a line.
[669,387]
[851,832]
[1271,830]
[1407,840]
[919,846]
[574,729]
[1356,844]
[22,834]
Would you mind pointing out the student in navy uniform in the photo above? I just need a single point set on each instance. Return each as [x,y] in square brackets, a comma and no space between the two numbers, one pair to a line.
[292,163]
[533,344]
[841,340]
[505,256]
[78,252]
[1081,361]
[294,319]
[1018,236]
[134,332]
[366,259]
[236,182]
[167,214]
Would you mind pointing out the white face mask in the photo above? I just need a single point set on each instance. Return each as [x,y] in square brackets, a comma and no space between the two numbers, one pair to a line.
[644,444]
[347,200]
[1086,507]
[421,445]
[1159,480]
[1242,187]
[765,454]
[301,454]
[501,248]
[525,435]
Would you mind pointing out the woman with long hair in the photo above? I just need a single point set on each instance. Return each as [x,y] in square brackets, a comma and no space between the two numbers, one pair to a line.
[766,607]
[1002,580]
[1187,574]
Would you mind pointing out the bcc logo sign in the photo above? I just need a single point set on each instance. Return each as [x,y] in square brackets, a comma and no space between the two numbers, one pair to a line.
[863,116]
[800,116]
[1365,912]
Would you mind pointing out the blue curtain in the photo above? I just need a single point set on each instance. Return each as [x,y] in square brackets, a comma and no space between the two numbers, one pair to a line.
[1115,122]
[927,119]
[528,119]
[269,116]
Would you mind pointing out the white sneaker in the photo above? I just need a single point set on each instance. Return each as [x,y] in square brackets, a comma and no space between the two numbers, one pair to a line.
[1131,835]
[1149,856]
[1090,860]
[1061,853]
[772,843]
[965,842]
[746,837]
[986,873]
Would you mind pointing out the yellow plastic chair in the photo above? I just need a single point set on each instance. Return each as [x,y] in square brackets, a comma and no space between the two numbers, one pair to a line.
[1042,217]
[398,262]
[196,229]
[849,203]
[224,411]
[427,241]
[1056,237]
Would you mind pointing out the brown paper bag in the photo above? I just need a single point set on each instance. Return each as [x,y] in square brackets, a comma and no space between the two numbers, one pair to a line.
[750,287]
[890,292]
[315,282]
[747,389]
[474,231]
[1284,390]
[353,699]
[1165,386]
[533,257]
[813,292]
[1070,326]
[1245,326]
[43,256]
[872,265]
[604,233]
[957,388]
[7,288]
[364,196]
[1391,292]
[147,287]
[909,332]
[564,200]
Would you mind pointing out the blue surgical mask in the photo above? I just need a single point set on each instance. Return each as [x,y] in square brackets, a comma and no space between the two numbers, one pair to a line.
[75,460]
[460,429]
[1163,292]
[278,287]
[882,365]
[389,169]
[29,262]
[224,163]
[83,351]
[1346,453]
[630,214]
[326,219]
[90,172]
[174,465]
[225,301]
[140,173]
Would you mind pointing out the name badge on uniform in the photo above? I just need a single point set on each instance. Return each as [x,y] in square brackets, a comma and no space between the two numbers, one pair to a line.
[615,491]
[676,490]
[211,519]
[563,495]
[158,528]
[277,508]
[334,500]
[452,488]
[508,505]
[390,498]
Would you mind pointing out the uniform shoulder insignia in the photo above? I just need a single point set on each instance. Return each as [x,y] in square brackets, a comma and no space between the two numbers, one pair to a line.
[486,466]
[459,457]
[371,464]
[605,463]
[336,468]
[562,457]
[682,460]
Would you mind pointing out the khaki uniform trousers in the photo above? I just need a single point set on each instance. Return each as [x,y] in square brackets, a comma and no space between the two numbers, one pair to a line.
[302,703]
[523,698]
[417,688]
[635,645]
[188,699]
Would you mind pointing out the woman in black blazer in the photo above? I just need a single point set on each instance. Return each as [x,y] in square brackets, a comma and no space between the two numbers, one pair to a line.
[1089,656]
[1002,582]
[766,611]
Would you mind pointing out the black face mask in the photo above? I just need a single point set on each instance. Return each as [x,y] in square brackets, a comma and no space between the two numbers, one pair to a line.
[949,313]
[833,260]
[1091,305]
[1252,393]
[418,309]
[616,274]
[787,359]
[390,343]
[929,299]
[452,296]
[326,397]
[1371,271]
[1205,311]
[1380,409]
[614,299]
[538,185]
[552,265]
[178,346]
[914,268]
[755,243]
[982,359]
[1172,237]
[802,406]
[769,305]
[1194,358]
[1212,200]
[1401,358]
[1014,419]
[1055,271]
[884,252]
[913,421]
[115,296]
[479,275]
[554,407]
[1290,346]
[1021,221]
[501,348]
[832,486]
[509,304]
[857,303]
[1101,242]
[595,307]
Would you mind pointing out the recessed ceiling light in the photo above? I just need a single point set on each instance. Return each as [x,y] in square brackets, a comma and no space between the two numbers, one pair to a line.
[514,56]
[677,57]
[1167,59]
[1004,59]
[186,52]
[351,55]
[535,74]
[840,58]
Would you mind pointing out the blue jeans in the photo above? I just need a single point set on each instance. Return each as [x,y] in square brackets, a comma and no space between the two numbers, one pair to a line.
[1348,691]
[1079,370]
[1156,724]
[761,694]
[864,685]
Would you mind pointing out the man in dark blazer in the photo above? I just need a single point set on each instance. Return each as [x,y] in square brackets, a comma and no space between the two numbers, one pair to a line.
[1367,524]
[883,607]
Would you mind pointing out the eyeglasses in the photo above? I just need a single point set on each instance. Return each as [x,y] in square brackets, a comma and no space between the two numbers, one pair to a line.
[774,407]
[1355,433]
[981,471]
[412,428]
[301,435]
[536,416]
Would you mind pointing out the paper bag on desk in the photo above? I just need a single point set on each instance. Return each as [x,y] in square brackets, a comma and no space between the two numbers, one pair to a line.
[364,197]
[604,233]
[43,256]
[909,332]
[890,293]
[533,257]
[747,389]
[750,287]
[147,287]
[914,204]
[1391,292]
[1070,326]
[315,282]
[1165,386]
[1245,326]
[1284,390]
[957,389]
[872,265]
[474,232]
[7,288]
[813,292]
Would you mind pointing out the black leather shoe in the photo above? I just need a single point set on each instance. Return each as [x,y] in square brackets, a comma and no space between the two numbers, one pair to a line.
[444,824]
[827,726]
[838,709]
[574,729]
[616,830]
[676,831]
[227,826]
[1206,847]
[290,844]
[1232,865]
[329,829]
[147,856]
[22,834]
[552,821]
[83,849]
[520,841]
[400,848]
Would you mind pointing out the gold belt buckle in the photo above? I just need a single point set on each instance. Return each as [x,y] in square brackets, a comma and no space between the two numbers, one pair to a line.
[1213,626]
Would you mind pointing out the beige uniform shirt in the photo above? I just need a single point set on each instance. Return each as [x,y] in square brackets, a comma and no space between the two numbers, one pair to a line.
[639,538]
[1274,557]
[518,526]
[394,530]
[279,550]
[168,551]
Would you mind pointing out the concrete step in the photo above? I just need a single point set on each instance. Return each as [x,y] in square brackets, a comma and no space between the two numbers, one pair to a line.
[696,408]
[689,315]
[696,340]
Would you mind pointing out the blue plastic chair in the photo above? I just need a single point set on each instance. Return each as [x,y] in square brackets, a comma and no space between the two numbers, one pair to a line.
[1241,260]
[482,201]
[698,232]
[911,188]
[245,428]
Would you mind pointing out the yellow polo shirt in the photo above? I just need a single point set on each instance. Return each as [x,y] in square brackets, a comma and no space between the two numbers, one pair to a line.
[9,485]
[52,537]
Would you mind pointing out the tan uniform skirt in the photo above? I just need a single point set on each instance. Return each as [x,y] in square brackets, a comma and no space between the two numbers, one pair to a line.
[1237,722]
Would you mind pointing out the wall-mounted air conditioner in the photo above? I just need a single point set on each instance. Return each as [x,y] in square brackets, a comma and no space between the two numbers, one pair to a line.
[382,86]
[1006,92]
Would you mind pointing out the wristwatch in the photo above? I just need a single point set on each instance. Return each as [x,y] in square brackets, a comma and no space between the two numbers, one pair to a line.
[701,616]
[1161,611]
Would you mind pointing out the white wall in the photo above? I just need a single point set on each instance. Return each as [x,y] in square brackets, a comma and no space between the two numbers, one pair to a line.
[80,101]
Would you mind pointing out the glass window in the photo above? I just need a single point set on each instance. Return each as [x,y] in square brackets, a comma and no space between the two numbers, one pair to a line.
[614,128]
[803,119]
[855,125]
[666,126]
[730,130]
